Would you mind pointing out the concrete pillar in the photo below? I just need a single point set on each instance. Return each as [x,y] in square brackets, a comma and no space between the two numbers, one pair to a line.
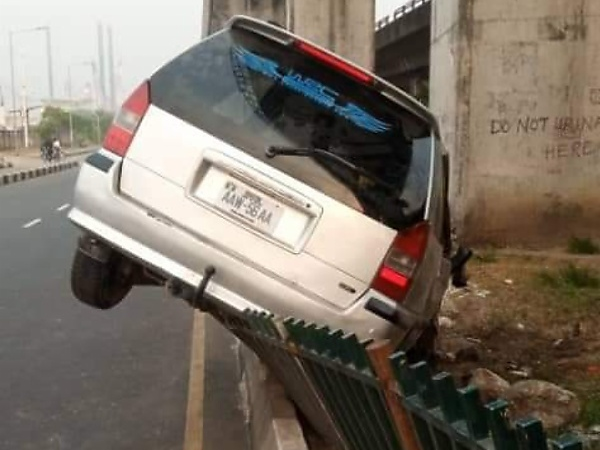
[220,11]
[345,26]
[516,85]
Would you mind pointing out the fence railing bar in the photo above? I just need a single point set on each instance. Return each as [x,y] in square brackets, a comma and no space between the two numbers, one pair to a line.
[345,412]
[404,377]
[504,438]
[399,13]
[474,412]
[374,400]
[447,396]
[531,435]
[321,378]
[288,368]
[426,392]
[568,442]
[379,355]
[377,404]
[356,400]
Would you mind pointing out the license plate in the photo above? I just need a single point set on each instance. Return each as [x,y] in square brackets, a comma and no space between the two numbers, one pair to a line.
[249,205]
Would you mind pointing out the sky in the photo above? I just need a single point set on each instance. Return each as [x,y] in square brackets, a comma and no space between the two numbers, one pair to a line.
[146,35]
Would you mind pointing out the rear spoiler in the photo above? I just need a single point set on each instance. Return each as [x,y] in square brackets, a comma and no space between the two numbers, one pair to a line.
[285,37]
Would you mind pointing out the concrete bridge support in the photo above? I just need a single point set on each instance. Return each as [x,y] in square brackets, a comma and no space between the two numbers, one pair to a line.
[344,26]
[517,87]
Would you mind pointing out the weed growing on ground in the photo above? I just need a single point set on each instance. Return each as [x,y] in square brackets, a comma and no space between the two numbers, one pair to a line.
[573,290]
[583,246]
[487,256]
[590,414]
[570,277]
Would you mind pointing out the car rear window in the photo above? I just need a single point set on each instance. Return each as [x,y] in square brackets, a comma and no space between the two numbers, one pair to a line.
[255,93]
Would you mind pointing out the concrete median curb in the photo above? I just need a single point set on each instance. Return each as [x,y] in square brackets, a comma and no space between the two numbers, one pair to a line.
[273,424]
[23,175]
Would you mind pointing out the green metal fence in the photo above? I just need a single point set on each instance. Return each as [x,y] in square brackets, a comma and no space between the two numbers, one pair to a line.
[360,396]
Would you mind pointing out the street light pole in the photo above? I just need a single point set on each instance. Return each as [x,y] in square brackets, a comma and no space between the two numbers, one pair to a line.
[70,128]
[25,116]
[12,73]
[49,55]
[12,61]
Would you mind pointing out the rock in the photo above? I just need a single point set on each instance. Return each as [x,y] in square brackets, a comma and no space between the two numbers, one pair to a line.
[510,365]
[445,357]
[449,302]
[553,405]
[491,386]
[509,282]
[470,354]
[590,437]
[463,349]
[482,293]
[524,372]
[446,322]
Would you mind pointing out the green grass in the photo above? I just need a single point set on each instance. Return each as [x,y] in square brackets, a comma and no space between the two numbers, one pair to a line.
[583,246]
[487,256]
[570,277]
[590,413]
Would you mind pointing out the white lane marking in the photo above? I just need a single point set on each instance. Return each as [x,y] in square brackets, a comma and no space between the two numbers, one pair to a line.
[63,207]
[32,223]
[194,423]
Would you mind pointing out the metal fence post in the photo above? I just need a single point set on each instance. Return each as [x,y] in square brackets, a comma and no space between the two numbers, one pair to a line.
[379,354]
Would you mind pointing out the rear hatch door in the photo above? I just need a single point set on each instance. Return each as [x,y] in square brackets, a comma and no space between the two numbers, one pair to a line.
[322,222]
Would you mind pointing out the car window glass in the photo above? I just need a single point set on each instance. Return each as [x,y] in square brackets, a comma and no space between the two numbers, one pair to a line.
[254,93]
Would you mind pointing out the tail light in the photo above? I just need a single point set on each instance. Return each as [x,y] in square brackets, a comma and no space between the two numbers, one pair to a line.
[396,272]
[120,134]
[334,62]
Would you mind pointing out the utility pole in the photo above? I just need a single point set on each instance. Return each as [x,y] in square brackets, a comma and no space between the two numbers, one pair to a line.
[25,116]
[111,73]
[49,56]
[101,79]
[12,76]
[70,94]
[12,62]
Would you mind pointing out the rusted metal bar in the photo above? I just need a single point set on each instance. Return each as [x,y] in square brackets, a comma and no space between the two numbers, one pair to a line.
[379,354]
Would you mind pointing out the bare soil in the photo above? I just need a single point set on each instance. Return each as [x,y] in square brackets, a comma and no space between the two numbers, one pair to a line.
[527,319]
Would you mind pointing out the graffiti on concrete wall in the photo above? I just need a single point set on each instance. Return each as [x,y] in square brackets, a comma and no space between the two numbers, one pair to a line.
[568,136]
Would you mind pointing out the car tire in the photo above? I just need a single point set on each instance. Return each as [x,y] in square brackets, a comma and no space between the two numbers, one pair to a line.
[97,283]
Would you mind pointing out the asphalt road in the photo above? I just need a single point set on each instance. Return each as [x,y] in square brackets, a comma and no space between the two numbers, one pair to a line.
[75,378]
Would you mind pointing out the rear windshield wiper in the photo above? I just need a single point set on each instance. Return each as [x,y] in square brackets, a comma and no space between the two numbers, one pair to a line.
[274,151]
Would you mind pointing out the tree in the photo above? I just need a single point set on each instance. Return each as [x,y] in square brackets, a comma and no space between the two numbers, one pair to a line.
[55,122]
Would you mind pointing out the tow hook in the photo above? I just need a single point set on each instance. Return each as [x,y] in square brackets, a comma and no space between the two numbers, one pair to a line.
[193,296]
[199,300]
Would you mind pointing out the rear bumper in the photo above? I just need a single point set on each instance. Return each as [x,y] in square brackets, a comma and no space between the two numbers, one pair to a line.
[156,242]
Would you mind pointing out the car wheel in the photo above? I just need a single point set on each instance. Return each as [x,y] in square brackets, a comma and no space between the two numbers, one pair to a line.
[425,346]
[99,282]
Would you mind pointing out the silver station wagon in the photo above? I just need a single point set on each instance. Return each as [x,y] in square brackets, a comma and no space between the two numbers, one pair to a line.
[261,170]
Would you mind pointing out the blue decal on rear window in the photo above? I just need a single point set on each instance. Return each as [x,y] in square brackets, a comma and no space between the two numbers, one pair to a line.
[311,89]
